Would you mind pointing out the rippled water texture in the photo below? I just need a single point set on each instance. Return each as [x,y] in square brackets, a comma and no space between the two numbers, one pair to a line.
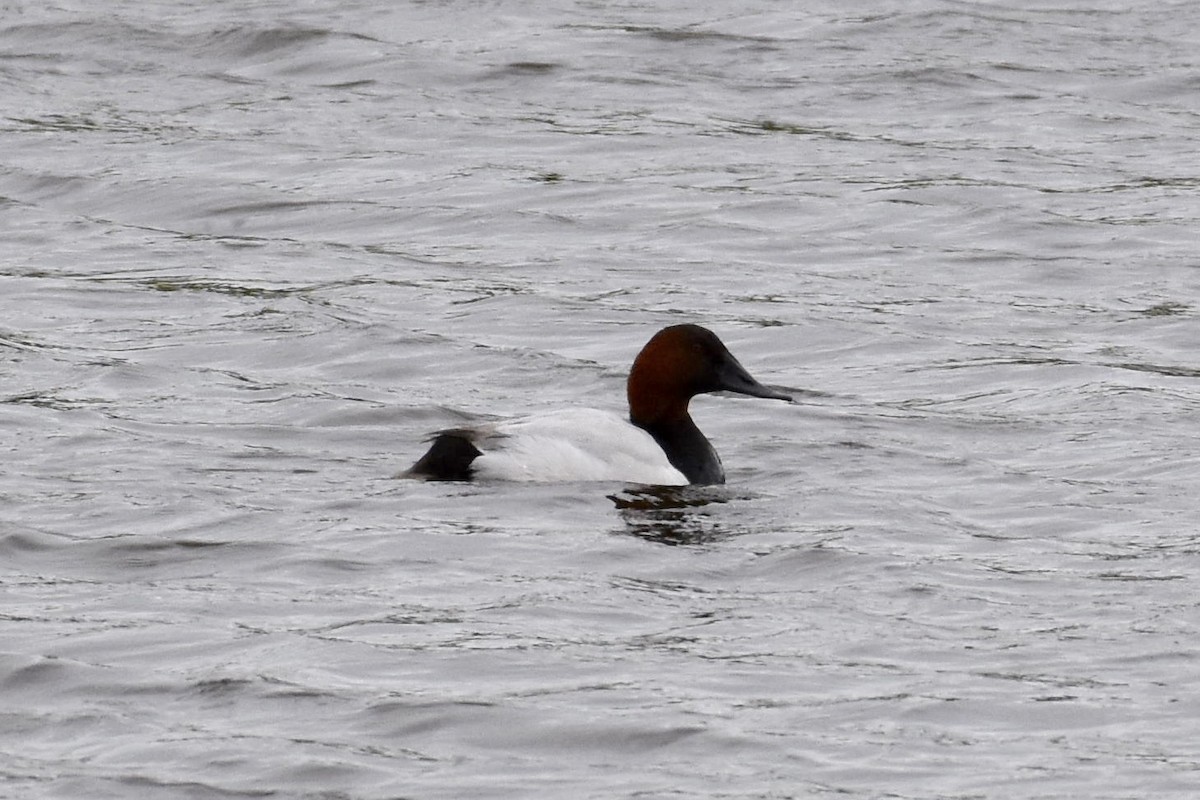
[254,252]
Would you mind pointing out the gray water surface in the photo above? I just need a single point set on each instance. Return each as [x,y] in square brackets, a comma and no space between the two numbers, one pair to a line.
[253,253]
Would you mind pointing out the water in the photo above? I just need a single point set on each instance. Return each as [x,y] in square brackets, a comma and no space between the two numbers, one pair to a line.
[254,252]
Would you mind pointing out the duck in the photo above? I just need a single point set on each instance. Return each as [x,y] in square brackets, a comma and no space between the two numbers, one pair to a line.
[658,443]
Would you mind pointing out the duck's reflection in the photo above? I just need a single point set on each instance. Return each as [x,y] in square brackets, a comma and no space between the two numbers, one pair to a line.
[673,515]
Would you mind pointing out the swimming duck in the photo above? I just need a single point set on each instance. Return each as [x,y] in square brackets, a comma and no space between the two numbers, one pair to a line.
[658,443]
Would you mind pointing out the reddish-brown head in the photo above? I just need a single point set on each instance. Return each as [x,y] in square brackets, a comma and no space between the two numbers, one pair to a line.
[679,363]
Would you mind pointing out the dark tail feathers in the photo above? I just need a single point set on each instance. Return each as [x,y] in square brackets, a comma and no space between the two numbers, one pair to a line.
[449,458]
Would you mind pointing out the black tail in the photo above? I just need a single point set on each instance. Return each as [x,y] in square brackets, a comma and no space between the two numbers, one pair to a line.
[449,458]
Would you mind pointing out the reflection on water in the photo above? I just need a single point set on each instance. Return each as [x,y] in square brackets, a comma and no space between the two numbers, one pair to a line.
[673,515]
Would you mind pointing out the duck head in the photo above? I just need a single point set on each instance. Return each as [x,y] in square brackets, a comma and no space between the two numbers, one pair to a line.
[679,363]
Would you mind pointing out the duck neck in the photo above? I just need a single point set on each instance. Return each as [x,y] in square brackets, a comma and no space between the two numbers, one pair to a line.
[686,448]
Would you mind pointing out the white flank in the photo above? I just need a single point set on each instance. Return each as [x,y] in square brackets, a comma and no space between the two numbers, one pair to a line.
[579,444]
